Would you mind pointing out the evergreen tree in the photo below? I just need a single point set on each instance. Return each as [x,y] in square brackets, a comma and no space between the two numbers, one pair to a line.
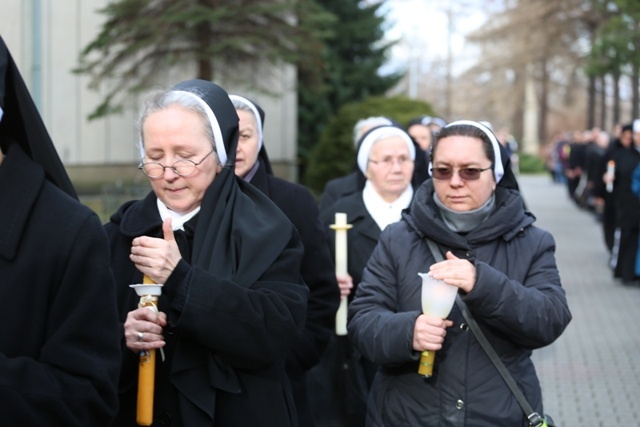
[141,37]
[350,71]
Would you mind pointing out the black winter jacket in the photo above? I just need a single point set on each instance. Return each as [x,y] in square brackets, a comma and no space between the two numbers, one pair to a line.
[517,300]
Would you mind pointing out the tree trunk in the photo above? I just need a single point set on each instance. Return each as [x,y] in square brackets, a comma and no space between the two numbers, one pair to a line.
[591,103]
[616,98]
[635,80]
[544,101]
[603,102]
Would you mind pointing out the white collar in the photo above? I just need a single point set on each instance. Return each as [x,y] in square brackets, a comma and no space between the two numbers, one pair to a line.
[385,213]
[177,219]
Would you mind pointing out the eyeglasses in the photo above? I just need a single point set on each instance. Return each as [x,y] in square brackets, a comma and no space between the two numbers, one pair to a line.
[181,167]
[467,174]
[388,162]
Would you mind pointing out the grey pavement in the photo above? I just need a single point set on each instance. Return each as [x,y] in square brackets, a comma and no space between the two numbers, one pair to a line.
[591,375]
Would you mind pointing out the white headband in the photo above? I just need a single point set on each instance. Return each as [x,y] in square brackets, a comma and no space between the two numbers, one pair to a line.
[636,125]
[215,126]
[377,134]
[244,101]
[498,168]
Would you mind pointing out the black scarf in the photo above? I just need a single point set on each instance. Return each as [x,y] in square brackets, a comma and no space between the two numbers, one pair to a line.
[21,124]
[232,241]
[238,235]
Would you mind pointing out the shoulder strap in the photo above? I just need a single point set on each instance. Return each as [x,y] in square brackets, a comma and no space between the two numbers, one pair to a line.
[535,420]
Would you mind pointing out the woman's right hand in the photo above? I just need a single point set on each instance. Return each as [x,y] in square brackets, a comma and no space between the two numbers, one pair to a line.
[143,329]
[429,332]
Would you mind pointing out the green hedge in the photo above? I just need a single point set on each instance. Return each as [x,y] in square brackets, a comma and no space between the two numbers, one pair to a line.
[529,163]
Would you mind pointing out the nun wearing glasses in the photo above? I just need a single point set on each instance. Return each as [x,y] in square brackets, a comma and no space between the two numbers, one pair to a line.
[385,158]
[505,270]
[233,303]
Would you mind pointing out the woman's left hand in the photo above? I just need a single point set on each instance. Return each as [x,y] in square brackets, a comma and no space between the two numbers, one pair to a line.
[455,271]
[157,258]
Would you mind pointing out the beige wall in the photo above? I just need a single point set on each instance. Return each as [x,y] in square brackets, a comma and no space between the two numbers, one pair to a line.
[47,52]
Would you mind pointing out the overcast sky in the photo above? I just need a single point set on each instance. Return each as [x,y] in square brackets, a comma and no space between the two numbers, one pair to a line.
[422,26]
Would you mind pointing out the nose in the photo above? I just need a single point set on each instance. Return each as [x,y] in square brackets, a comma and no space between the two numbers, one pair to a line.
[172,174]
[456,180]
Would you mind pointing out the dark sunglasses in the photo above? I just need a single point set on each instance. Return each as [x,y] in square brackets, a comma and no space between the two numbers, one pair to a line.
[467,174]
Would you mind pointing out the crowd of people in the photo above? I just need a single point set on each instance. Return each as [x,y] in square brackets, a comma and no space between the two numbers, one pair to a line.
[601,172]
[245,322]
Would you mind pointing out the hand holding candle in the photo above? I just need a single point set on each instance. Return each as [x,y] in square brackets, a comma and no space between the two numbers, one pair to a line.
[148,293]
[437,300]
[341,228]
[611,173]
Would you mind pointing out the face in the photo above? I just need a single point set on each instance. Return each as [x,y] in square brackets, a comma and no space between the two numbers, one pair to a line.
[421,135]
[625,138]
[390,167]
[458,152]
[247,152]
[177,134]
[636,139]
[1,157]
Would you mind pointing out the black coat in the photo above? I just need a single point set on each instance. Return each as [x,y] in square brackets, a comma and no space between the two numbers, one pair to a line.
[517,301]
[60,346]
[361,238]
[235,338]
[318,272]
[627,204]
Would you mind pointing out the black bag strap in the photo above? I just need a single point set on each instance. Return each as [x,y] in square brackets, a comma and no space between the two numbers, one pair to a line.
[535,420]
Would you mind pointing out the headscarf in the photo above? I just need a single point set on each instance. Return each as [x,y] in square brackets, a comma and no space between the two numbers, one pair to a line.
[502,163]
[231,242]
[21,124]
[238,236]
[374,135]
[259,115]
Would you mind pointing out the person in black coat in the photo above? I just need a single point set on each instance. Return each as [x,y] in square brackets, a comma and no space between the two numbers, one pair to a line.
[606,183]
[60,346]
[627,207]
[317,269]
[233,302]
[385,157]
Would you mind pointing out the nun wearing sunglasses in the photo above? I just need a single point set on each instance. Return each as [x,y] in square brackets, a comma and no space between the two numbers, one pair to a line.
[505,270]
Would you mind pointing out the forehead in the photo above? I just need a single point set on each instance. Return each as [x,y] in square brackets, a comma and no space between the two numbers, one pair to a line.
[460,149]
[246,117]
[390,143]
[175,125]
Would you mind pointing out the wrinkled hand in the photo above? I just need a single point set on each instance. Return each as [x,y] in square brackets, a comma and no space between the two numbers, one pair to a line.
[143,329]
[157,258]
[345,282]
[429,332]
[455,271]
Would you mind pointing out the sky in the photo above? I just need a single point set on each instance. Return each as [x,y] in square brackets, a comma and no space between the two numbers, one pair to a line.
[422,26]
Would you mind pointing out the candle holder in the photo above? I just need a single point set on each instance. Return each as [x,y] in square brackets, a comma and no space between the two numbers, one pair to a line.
[437,300]
[149,293]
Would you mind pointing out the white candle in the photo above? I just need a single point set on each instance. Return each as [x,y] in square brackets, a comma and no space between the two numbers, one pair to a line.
[611,172]
[341,228]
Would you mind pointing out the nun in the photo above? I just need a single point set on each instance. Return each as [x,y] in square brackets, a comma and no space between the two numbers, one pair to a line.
[233,302]
[60,349]
[385,157]
[317,269]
